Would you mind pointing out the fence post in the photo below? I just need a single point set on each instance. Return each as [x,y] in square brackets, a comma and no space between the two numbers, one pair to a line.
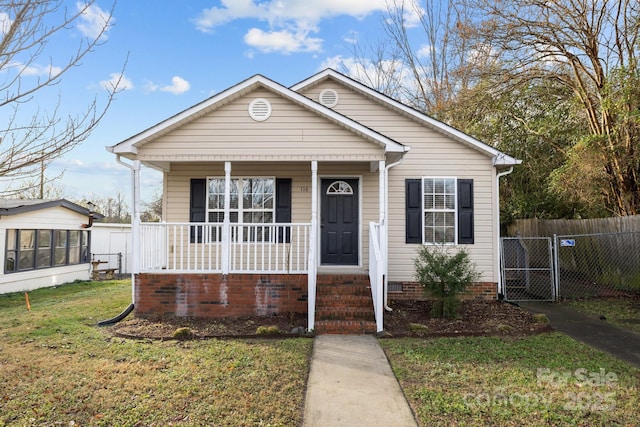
[556,269]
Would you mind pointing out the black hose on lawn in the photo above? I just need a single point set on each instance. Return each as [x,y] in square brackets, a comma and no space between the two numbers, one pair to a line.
[118,318]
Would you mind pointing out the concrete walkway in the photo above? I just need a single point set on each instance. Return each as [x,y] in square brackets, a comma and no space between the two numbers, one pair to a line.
[351,384]
[597,333]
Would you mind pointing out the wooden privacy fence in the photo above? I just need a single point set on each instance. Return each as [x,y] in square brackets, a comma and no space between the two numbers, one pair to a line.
[533,227]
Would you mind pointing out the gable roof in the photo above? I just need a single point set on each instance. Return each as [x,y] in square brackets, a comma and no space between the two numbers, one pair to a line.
[16,206]
[129,146]
[498,157]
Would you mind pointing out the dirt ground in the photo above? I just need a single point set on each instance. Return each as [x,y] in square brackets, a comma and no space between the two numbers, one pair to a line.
[408,319]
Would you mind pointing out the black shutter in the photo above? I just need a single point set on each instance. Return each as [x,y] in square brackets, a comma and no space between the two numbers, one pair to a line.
[465,211]
[197,208]
[283,207]
[413,211]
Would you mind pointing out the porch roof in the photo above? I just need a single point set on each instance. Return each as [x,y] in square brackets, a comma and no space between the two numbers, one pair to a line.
[129,147]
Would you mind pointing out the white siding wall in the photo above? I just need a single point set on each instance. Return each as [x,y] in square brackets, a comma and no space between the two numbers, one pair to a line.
[57,218]
[112,239]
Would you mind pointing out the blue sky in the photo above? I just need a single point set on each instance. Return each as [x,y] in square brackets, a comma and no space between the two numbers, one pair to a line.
[179,53]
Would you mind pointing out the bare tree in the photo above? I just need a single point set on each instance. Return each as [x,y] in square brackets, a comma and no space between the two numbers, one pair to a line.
[591,47]
[31,137]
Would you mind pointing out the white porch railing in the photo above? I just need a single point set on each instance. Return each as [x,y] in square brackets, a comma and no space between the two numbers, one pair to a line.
[376,274]
[198,247]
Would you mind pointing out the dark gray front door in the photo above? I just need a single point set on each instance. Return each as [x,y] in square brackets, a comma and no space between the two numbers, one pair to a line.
[339,222]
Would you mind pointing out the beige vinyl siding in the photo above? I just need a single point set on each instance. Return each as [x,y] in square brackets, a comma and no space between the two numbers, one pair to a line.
[431,154]
[291,133]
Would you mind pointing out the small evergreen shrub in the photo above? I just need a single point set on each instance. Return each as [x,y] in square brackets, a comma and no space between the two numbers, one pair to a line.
[444,275]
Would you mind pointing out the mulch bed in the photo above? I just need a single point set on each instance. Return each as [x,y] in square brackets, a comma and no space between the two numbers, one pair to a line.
[408,319]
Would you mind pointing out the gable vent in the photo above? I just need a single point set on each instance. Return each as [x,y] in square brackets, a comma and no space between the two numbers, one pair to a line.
[329,98]
[260,109]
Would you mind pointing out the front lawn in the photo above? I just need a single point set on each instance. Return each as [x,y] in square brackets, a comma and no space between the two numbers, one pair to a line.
[58,368]
[547,379]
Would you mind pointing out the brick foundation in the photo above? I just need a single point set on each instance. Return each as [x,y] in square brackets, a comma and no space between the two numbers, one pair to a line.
[215,296]
[414,291]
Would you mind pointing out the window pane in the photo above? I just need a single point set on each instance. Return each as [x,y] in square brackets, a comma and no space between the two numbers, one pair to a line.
[60,252]
[44,249]
[27,239]
[74,247]
[12,239]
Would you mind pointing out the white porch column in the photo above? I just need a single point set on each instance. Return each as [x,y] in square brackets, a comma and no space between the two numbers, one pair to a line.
[226,223]
[381,296]
[312,263]
[135,225]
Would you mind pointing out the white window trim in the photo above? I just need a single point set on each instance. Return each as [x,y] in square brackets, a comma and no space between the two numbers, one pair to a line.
[455,211]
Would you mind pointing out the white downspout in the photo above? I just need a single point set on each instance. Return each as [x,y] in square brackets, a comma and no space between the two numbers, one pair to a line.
[498,176]
[135,220]
[385,232]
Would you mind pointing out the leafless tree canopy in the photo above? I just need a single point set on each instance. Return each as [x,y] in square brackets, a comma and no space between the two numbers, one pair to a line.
[591,47]
[32,136]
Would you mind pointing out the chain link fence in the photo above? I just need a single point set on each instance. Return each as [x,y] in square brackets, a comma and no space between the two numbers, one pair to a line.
[527,269]
[570,266]
[597,265]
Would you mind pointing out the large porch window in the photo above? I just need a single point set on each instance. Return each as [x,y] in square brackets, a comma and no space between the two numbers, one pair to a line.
[252,202]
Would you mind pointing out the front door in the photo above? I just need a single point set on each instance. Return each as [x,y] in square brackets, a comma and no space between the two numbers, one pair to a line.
[339,222]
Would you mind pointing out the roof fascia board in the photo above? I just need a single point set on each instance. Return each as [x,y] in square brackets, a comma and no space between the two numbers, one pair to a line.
[129,145]
[46,205]
[499,158]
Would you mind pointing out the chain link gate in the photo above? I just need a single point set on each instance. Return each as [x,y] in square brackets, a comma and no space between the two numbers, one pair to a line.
[527,269]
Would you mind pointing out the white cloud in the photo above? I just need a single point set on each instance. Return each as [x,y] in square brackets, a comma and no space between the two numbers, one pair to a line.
[117,80]
[5,23]
[178,86]
[37,69]
[282,41]
[93,20]
[290,22]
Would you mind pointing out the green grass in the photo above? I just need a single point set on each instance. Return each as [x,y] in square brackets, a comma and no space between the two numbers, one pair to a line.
[58,367]
[548,379]
[622,312]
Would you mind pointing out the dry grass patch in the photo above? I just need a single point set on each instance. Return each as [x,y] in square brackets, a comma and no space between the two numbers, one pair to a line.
[57,367]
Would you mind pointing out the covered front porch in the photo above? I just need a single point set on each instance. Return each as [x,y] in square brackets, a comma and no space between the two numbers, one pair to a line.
[227,268]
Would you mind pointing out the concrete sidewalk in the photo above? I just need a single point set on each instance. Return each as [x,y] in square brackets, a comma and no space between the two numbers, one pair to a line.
[597,333]
[351,384]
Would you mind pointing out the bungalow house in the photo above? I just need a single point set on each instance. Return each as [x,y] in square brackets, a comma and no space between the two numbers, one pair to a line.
[44,243]
[278,199]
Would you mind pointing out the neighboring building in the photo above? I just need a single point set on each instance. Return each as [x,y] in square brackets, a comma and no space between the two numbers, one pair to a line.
[270,193]
[111,243]
[44,243]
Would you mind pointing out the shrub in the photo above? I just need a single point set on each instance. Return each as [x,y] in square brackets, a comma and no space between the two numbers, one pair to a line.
[444,275]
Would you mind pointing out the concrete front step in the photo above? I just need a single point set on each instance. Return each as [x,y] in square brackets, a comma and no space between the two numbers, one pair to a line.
[349,327]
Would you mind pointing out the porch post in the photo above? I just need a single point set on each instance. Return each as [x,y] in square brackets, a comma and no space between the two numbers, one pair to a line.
[226,222]
[311,269]
[135,226]
[381,291]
